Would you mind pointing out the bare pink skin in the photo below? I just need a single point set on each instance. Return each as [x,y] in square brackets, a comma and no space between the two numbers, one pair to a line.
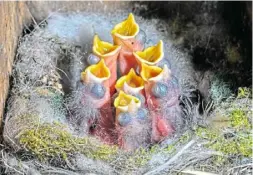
[111,63]
[161,128]
[105,124]
[126,57]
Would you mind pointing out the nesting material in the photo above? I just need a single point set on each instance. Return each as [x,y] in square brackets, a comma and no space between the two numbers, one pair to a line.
[47,99]
[47,74]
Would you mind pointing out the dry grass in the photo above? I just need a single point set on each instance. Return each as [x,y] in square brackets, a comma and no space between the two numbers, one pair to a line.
[45,92]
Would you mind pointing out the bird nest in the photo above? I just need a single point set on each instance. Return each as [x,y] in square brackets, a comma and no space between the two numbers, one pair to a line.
[50,116]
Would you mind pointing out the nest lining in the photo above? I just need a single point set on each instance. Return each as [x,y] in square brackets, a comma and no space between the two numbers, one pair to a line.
[46,88]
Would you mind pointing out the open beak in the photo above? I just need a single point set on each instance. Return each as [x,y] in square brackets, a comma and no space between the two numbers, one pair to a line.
[154,73]
[130,83]
[104,49]
[126,103]
[97,73]
[124,32]
[151,55]
[109,53]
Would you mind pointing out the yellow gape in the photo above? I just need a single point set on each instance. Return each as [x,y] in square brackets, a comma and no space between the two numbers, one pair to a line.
[104,49]
[130,83]
[154,73]
[126,103]
[151,55]
[126,29]
[96,73]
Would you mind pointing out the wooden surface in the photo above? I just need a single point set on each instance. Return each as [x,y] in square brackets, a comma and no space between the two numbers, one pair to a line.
[13,16]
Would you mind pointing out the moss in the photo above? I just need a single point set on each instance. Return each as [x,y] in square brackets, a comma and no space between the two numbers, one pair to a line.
[185,137]
[141,157]
[101,152]
[238,142]
[219,160]
[47,141]
[154,149]
[236,145]
[244,92]
[245,145]
[239,120]
[226,146]
[206,133]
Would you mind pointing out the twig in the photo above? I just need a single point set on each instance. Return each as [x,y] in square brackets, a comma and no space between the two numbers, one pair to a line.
[240,166]
[33,19]
[164,166]
[60,171]
[197,172]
